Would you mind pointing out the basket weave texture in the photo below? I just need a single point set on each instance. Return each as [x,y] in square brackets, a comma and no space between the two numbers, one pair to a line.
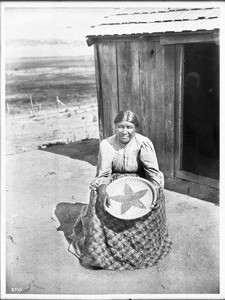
[130,197]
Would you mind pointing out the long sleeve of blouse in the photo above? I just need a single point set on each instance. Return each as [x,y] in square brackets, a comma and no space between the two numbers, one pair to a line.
[104,166]
[150,163]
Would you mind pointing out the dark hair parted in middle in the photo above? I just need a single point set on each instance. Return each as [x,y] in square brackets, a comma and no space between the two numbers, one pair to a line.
[127,116]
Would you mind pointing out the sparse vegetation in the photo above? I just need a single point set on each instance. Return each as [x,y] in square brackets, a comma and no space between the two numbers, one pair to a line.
[72,80]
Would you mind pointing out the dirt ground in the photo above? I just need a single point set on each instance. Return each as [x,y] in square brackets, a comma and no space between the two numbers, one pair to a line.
[28,131]
[37,259]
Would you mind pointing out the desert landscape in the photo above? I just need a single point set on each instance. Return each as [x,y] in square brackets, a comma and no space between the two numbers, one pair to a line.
[64,101]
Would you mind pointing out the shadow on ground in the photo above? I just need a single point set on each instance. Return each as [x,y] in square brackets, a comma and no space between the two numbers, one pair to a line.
[86,150]
[67,214]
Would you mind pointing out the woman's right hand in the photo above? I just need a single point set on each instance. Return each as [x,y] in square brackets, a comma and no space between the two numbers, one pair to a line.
[103,196]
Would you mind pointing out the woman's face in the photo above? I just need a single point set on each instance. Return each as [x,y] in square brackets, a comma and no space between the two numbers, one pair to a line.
[125,131]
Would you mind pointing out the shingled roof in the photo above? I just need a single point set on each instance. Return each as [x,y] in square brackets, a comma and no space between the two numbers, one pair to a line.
[137,21]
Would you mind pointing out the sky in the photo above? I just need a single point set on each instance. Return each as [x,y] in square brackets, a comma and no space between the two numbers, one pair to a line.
[49,31]
[34,29]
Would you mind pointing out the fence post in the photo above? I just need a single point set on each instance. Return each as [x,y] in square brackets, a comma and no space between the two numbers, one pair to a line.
[31,104]
[8,108]
[60,102]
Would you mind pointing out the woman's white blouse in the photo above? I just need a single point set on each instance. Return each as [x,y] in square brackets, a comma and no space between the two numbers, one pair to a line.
[138,154]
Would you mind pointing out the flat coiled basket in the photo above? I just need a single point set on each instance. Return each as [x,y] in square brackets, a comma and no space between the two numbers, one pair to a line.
[131,197]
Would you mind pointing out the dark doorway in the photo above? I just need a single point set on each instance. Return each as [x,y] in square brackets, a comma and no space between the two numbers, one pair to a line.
[201,110]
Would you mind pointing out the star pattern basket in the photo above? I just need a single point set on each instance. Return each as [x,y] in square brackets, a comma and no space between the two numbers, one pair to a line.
[130,197]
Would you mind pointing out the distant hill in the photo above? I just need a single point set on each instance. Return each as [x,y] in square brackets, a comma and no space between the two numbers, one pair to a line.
[49,42]
[55,61]
[43,48]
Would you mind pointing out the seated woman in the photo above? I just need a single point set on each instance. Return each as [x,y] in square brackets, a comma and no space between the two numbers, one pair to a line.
[101,240]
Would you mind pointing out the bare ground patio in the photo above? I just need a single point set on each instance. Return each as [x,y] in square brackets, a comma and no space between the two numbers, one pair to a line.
[37,260]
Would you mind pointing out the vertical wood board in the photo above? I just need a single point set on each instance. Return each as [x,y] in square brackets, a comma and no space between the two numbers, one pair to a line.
[128,76]
[169,91]
[151,95]
[143,88]
[159,105]
[108,77]
[99,92]
[147,65]
[179,82]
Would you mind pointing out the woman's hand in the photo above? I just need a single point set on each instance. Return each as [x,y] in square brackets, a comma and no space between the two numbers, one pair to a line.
[103,196]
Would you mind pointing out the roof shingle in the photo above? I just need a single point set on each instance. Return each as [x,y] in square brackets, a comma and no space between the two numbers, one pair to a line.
[129,21]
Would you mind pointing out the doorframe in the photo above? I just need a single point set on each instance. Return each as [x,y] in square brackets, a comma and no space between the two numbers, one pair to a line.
[179,88]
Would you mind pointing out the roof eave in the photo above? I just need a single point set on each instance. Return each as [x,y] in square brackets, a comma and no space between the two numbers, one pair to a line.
[92,39]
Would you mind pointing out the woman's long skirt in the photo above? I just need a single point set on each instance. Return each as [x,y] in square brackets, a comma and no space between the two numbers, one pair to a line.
[103,241]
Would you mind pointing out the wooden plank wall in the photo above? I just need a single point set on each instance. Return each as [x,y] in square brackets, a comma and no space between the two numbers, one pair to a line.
[128,76]
[108,83]
[159,105]
[131,77]
[151,95]
[145,77]
[147,69]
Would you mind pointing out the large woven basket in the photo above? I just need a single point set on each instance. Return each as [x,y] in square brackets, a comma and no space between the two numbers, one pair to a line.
[130,197]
